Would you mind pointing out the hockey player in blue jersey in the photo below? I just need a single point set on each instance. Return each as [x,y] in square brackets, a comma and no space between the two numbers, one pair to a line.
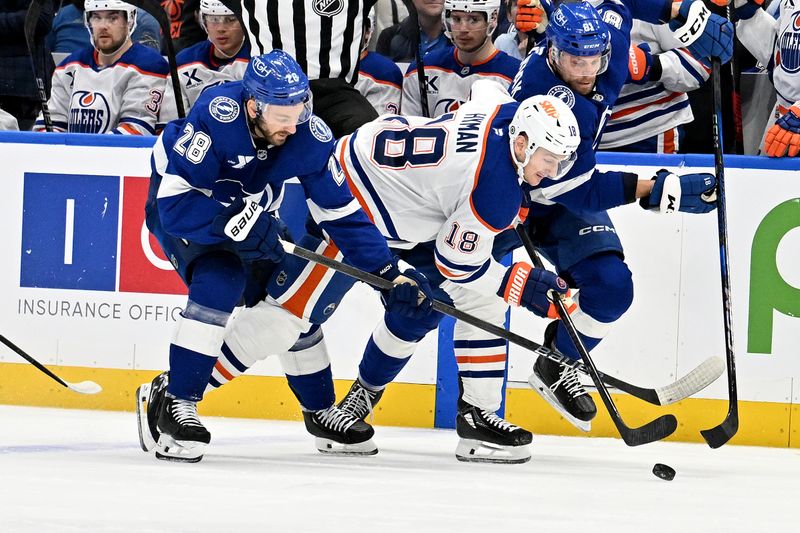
[584,61]
[217,180]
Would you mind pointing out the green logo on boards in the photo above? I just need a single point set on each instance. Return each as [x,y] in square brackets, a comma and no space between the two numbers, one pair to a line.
[768,290]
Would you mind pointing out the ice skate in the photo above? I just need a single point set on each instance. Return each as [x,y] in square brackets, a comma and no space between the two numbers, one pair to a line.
[149,398]
[558,384]
[360,401]
[487,438]
[183,437]
[339,432]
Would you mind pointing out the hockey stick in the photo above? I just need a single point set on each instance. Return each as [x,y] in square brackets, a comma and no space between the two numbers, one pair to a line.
[84,387]
[719,435]
[154,8]
[736,95]
[654,430]
[695,380]
[422,80]
[31,20]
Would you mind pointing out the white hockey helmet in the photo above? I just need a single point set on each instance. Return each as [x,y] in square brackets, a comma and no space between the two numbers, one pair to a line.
[548,123]
[490,7]
[109,5]
[212,7]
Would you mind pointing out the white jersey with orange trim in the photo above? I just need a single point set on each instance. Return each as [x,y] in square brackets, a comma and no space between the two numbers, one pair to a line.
[775,43]
[449,80]
[198,70]
[646,110]
[380,82]
[124,97]
[450,180]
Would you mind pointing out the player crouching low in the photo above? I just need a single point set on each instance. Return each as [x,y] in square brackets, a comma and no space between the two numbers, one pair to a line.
[216,184]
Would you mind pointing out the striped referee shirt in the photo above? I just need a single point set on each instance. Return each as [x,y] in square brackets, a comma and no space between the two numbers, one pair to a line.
[324,36]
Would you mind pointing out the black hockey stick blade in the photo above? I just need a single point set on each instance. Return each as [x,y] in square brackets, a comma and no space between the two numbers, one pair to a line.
[655,430]
[84,387]
[719,435]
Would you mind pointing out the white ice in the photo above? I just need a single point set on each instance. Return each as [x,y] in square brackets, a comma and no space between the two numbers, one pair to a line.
[68,470]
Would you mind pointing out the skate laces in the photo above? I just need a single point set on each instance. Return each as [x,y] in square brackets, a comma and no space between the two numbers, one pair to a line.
[185,412]
[569,380]
[359,403]
[336,419]
[496,421]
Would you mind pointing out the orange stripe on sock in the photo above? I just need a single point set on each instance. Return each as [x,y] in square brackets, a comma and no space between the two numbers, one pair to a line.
[221,369]
[297,303]
[481,358]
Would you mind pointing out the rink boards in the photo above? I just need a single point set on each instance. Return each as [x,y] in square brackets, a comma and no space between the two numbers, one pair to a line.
[87,290]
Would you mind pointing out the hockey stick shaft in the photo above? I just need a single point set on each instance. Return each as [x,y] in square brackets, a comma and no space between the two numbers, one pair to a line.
[31,21]
[154,8]
[653,396]
[422,80]
[654,430]
[736,95]
[719,435]
[84,387]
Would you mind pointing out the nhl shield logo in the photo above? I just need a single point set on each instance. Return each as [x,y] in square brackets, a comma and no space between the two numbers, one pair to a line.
[327,8]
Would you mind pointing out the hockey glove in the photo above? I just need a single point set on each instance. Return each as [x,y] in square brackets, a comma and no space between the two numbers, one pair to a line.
[784,134]
[532,15]
[744,9]
[703,33]
[690,193]
[254,231]
[530,287]
[640,61]
[410,297]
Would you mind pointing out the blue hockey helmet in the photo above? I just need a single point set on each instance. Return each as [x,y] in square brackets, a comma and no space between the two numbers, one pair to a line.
[578,30]
[276,79]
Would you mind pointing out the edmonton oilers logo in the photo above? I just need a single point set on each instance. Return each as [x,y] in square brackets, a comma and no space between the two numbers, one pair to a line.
[224,109]
[89,113]
[327,8]
[790,46]
[563,93]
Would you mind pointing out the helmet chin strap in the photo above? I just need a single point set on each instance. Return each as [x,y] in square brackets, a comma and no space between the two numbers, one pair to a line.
[519,164]
[226,56]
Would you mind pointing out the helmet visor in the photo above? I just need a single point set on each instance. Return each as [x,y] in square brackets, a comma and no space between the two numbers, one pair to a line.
[590,65]
[554,166]
[288,115]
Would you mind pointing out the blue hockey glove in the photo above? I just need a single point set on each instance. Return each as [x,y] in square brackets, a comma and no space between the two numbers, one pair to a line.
[745,9]
[254,231]
[784,134]
[530,287]
[690,193]
[407,299]
[705,35]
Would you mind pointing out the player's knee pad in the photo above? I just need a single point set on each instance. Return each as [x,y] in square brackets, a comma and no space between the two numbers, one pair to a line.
[308,290]
[308,355]
[200,329]
[217,280]
[262,330]
[606,292]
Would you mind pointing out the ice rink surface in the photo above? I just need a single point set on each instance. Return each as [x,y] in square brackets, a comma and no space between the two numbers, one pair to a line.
[68,470]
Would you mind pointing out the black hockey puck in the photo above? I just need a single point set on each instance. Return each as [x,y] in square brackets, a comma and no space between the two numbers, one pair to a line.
[667,473]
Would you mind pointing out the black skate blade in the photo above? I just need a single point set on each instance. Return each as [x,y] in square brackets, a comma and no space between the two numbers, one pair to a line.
[653,431]
[178,459]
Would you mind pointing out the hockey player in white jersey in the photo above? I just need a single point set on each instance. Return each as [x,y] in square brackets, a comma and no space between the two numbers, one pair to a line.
[222,57]
[775,43]
[653,106]
[450,72]
[114,86]
[379,78]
